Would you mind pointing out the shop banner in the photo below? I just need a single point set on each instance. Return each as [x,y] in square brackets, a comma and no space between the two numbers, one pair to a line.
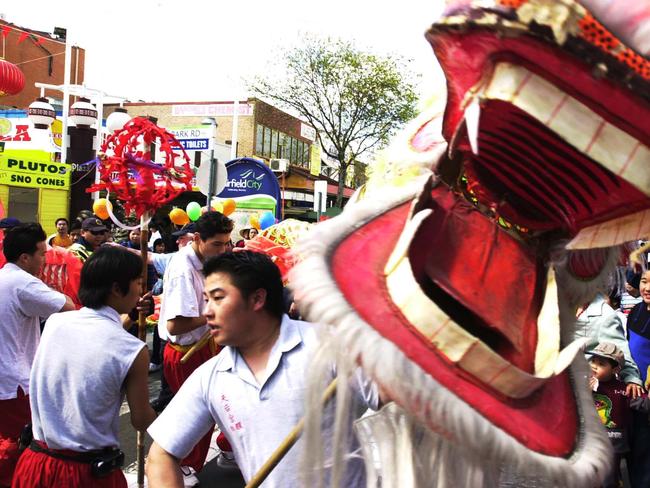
[33,169]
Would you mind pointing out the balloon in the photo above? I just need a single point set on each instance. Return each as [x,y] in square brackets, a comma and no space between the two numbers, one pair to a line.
[229,206]
[267,220]
[193,210]
[255,221]
[100,208]
[178,216]
[217,206]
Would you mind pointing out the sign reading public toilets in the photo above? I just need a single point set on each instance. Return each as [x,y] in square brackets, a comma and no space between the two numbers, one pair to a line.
[193,138]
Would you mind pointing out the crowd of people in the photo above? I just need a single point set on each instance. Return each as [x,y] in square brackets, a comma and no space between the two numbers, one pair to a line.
[72,361]
[71,365]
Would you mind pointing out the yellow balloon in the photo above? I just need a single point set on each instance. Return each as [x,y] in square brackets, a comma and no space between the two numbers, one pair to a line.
[178,216]
[100,208]
[255,222]
[229,206]
[217,206]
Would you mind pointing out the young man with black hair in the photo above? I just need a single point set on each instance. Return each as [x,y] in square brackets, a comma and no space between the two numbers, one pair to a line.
[61,238]
[255,388]
[85,364]
[24,301]
[181,321]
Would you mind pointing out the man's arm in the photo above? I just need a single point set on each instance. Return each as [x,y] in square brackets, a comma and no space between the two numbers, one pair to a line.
[163,469]
[68,305]
[183,325]
[137,391]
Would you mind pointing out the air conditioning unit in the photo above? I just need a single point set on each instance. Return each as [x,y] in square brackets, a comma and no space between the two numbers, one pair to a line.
[279,165]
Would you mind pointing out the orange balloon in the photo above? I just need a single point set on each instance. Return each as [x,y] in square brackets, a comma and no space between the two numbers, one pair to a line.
[255,222]
[100,208]
[229,206]
[178,216]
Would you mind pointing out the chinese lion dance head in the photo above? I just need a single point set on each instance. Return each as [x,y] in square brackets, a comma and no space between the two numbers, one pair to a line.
[456,291]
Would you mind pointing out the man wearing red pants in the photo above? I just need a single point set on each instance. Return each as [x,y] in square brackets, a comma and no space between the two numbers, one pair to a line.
[181,321]
[25,299]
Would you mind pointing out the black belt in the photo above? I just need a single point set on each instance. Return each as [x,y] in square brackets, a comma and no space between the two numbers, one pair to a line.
[87,457]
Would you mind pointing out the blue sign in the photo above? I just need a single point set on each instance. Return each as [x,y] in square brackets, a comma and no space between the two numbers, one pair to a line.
[195,144]
[248,176]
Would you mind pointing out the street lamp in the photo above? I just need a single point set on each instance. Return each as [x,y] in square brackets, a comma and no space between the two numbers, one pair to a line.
[213,166]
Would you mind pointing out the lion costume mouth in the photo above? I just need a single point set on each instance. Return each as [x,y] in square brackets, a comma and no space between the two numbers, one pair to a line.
[548,144]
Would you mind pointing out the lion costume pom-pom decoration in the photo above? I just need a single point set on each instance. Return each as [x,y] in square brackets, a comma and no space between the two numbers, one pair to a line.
[128,172]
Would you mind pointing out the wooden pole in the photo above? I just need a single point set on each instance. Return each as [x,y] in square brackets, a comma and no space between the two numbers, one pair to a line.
[142,334]
[197,345]
[286,444]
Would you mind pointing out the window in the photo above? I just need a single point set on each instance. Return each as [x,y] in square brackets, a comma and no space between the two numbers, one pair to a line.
[267,142]
[23,203]
[259,140]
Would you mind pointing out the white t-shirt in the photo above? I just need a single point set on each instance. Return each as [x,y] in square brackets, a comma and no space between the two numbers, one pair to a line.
[182,295]
[255,418]
[24,300]
[78,379]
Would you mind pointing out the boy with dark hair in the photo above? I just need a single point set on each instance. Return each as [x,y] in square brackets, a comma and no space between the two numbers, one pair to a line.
[25,300]
[181,322]
[76,394]
[612,402]
[255,388]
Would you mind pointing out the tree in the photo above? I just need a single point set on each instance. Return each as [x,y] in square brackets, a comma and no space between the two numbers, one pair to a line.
[355,100]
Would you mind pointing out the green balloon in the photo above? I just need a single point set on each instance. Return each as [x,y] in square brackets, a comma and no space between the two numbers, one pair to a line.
[193,210]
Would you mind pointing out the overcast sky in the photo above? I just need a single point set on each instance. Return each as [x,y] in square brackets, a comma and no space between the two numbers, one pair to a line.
[192,50]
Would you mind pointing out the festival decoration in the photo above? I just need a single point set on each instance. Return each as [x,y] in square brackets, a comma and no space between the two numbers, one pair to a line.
[254,221]
[491,209]
[12,79]
[101,208]
[41,113]
[266,220]
[229,206]
[128,173]
[178,216]
[193,211]
[83,113]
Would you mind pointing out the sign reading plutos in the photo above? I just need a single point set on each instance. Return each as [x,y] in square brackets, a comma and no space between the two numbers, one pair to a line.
[211,110]
[33,169]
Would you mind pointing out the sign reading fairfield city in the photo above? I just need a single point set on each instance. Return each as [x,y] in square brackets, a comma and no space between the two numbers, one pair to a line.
[252,185]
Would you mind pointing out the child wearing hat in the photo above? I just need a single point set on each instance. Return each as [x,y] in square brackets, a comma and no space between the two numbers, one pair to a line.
[612,403]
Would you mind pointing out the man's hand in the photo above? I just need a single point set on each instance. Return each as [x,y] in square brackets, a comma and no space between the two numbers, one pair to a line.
[633,390]
[145,305]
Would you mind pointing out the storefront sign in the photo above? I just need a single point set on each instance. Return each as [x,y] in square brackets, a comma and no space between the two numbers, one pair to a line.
[211,110]
[315,163]
[307,131]
[247,176]
[197,138]
[33,169]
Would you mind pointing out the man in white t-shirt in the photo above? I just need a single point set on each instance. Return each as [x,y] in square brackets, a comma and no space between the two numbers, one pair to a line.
[25,301]
[255,388]
[181,322]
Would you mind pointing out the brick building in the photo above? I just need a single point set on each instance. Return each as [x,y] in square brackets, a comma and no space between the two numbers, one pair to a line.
[41,58]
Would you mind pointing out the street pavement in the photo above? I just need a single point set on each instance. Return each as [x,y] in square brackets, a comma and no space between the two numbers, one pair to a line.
[211,475]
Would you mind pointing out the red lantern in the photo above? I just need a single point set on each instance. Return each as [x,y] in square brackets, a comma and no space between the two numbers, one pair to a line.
[12,80]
